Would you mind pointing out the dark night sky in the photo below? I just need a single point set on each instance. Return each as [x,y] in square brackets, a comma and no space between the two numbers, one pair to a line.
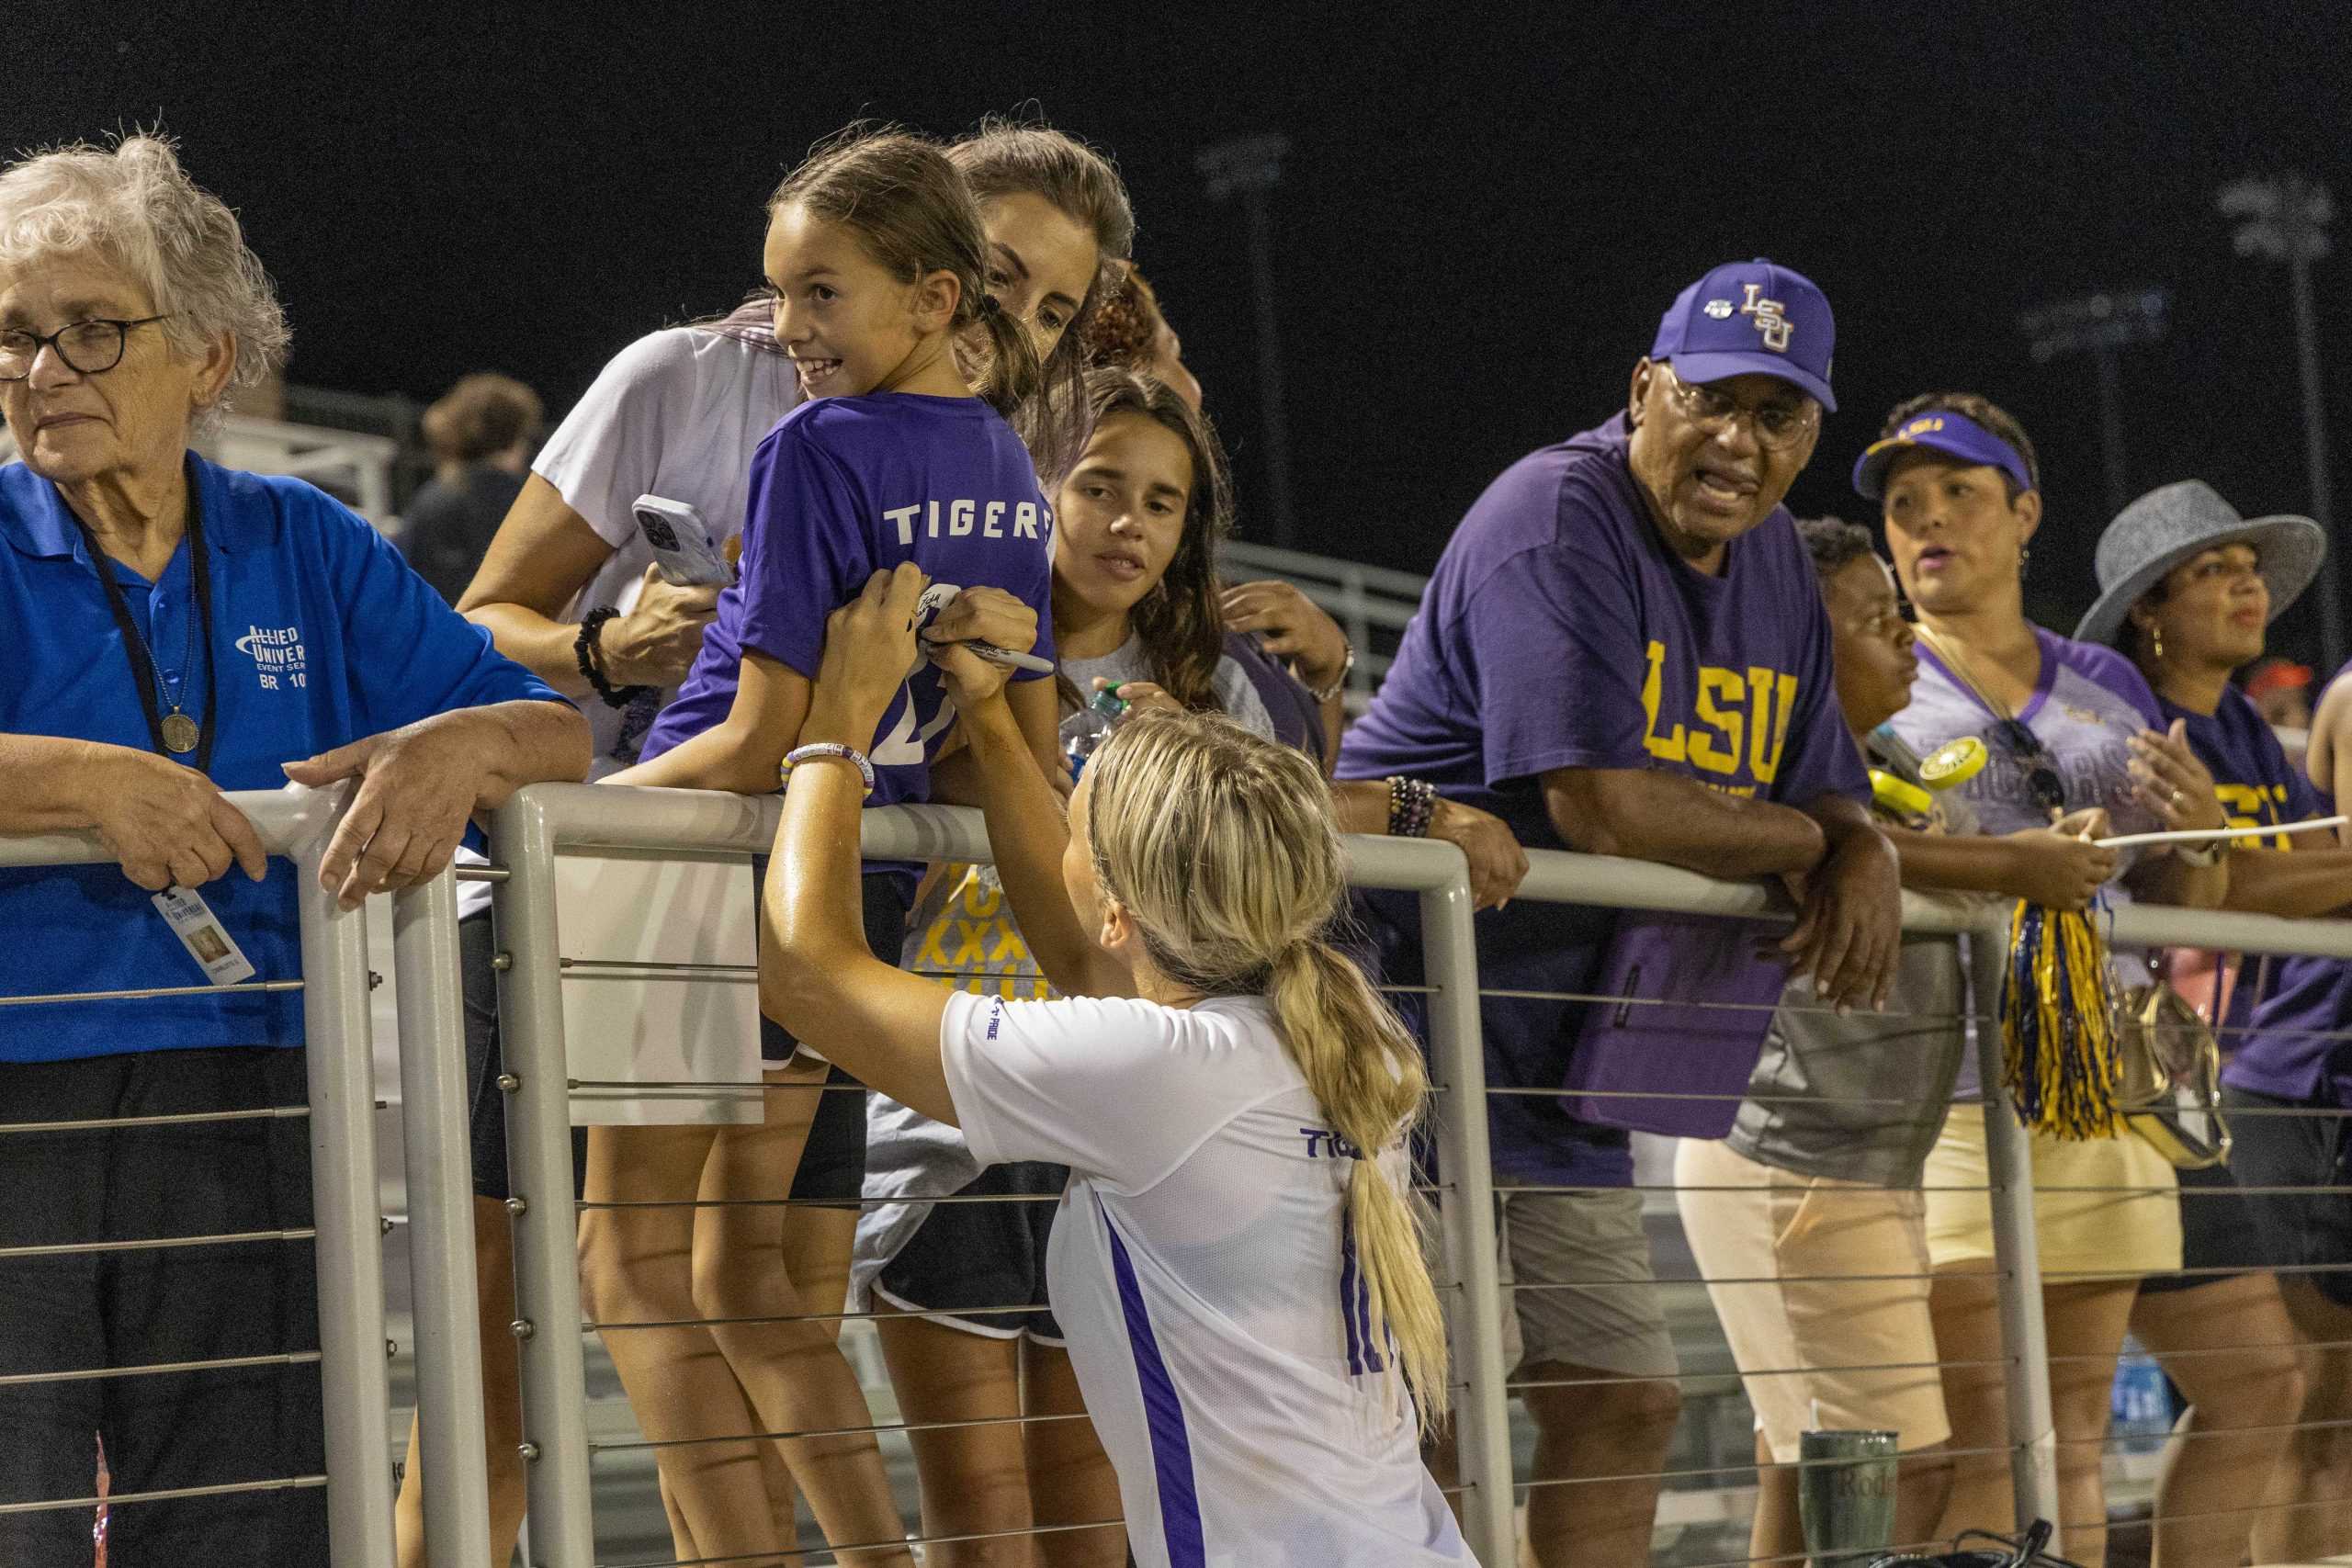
[1480,223]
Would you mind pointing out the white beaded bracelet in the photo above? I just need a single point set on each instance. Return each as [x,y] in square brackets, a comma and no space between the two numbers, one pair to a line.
[828,751]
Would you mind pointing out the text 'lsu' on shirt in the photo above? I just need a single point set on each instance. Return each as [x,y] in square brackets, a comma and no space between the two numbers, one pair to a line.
[1201,1269]
[320,635]
[1559,631]
[846,487]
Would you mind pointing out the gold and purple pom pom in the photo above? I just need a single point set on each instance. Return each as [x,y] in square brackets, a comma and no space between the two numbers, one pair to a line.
[2058,1025]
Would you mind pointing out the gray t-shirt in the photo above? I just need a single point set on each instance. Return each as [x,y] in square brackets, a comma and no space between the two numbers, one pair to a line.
[961,930]
[1861,1098]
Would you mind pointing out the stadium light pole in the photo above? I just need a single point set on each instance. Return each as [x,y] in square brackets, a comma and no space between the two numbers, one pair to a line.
[2286,220]
[2101,325]
[1250,167]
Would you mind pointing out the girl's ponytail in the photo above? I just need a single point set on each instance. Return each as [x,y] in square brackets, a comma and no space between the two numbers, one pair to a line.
[1008,374]
[1366,1074]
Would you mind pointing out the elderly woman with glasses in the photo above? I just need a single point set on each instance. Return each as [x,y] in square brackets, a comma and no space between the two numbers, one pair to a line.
[2072,734]
[179,629]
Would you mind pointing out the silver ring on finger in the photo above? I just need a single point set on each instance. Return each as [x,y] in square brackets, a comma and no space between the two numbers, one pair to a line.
[2176,797]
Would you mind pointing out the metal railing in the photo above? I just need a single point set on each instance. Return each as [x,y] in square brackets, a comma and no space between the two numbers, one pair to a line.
[347,1227]
[544,822]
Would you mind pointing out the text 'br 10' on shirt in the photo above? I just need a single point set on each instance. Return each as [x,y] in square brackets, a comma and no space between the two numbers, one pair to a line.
[2285,1013]
[322,635]
[846,487]
[1200,1268]
[1559,631]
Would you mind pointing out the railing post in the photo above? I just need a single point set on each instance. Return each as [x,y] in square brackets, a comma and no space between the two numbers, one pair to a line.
[437,1148]
[1466,1204]
[2025,1335]
[354,1382]
[538,1159]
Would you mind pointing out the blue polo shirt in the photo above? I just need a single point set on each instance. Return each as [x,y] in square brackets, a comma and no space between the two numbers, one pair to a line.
[322,635]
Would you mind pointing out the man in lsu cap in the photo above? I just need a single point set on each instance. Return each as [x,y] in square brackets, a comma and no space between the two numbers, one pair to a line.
[1623,651]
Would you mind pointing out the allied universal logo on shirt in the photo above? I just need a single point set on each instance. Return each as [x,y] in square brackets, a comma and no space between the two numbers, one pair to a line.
[276,653]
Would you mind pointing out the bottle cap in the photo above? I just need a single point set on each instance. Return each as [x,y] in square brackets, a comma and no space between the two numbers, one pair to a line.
[1954,763]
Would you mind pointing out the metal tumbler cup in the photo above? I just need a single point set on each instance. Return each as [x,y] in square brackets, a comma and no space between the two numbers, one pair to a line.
[1845,1496]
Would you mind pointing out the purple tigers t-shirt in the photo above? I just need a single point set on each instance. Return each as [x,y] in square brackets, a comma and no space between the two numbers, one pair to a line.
[1560,632]
[844,488]
[2286,1007]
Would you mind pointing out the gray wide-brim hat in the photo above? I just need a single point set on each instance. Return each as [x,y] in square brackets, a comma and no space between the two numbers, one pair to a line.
[2168,527]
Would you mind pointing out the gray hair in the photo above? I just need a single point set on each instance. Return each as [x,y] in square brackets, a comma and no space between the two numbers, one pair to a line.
[135,207]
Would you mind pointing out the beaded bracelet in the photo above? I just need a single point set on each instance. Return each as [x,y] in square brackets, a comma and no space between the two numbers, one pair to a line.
[588,652]
[1411,805]
[827,752]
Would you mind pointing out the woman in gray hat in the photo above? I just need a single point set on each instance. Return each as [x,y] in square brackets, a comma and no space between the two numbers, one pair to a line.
[2187,588]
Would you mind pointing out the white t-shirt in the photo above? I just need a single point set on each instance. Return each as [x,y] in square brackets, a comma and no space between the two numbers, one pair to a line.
[1215,1319]
[677,414]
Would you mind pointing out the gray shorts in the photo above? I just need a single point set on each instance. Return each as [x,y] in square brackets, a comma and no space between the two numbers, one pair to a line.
[1577,1286]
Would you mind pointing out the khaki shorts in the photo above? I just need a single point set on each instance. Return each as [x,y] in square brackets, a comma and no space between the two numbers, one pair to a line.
[1819,1344]
[1598,1307]
[2085,1219]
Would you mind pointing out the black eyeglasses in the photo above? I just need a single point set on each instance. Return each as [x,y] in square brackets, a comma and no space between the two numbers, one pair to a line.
[2041,780]
[91,348]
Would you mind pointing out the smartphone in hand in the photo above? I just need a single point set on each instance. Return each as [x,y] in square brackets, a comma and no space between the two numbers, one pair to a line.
[683,546]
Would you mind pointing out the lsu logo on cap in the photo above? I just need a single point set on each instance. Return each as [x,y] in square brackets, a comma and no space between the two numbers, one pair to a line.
[1775,328]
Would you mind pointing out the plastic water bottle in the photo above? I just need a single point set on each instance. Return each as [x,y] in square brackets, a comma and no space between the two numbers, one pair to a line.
[1086,729]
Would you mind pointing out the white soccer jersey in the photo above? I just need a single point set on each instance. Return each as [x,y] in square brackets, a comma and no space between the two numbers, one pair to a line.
[1201,1267]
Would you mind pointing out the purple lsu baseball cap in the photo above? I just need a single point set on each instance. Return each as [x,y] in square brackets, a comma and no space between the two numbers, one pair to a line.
[1752,318]
[1938,430]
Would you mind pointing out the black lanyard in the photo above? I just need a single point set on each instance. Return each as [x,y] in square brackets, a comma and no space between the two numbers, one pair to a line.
[142,660]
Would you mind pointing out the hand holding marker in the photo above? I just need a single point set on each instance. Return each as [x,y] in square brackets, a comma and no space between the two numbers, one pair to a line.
[937,597]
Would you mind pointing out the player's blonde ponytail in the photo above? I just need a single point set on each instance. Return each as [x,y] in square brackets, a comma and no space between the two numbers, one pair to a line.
[1222,849]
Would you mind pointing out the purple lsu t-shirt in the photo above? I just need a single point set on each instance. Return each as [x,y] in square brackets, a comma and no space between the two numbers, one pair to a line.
[2295,1004]
[844,488]
[1559,631]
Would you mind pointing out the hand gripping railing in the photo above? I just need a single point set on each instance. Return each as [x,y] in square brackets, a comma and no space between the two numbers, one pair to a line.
[546,819]
[348,1224]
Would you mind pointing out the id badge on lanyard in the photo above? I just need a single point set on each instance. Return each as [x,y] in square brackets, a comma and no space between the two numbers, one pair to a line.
[174,734]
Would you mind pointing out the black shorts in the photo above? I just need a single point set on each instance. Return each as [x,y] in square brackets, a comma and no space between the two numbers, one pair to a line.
[968,1257]
[833,1166]
[2219,1229]
[486,1109]
[884,901]
[2307,1233]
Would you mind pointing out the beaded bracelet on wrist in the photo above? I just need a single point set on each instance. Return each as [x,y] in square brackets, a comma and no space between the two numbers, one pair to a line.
[1412,803]
[588,652]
